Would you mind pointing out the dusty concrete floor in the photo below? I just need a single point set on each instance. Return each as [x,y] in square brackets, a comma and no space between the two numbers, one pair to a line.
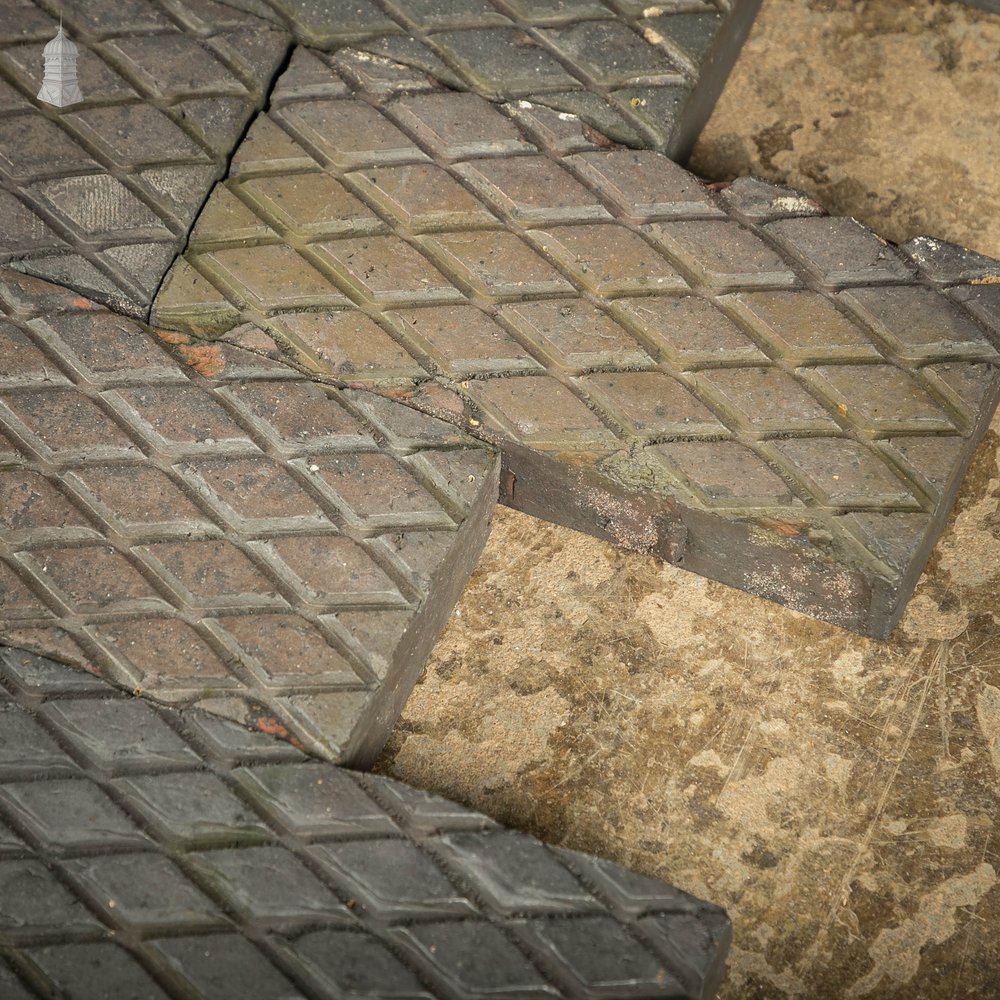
[839,795]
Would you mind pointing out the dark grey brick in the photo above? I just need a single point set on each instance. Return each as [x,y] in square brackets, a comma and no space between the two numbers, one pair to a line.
[357,965]
[192,807]
[314,801]
[400,894]
[644,75]
[235,744]
[948,264]
[457,951]
[70,814]
[94,972]
[31,900]
[36,675]
[604,956]
[106,189]
[112,734]
[225,965]
[270,884]
[392,878]
[517,872]
[142,891]
[26,749]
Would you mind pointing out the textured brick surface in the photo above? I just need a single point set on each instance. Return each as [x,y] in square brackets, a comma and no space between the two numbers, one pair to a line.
[752,389]
[148,852]
[100,195]
[250,542]
[644,75]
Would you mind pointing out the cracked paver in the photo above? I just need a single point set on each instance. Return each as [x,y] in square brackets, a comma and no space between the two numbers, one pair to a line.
[242,539]
[645,75]
[759,392]
[100,195]
[151,852]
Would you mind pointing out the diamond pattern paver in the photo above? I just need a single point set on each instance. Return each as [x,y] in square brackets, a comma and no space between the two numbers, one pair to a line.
[100,195]
[150,852]
[736,381]
[251,542]
[645,75]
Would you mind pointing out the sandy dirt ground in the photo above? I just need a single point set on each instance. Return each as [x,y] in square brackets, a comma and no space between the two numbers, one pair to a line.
[838,795]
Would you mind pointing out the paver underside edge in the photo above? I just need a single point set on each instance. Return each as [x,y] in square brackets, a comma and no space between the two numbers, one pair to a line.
[412,652]
[712,79]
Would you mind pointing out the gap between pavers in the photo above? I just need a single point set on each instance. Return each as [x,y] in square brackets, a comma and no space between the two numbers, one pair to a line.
[731,379]
[151,852]
[204,526]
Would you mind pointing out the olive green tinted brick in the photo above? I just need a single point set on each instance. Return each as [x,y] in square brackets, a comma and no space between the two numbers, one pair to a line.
[734,380]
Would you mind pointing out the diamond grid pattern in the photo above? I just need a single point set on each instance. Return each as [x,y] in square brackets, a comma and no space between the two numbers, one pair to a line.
[100,195]
[150,852]
[246,542]
[744,355]
[644,75]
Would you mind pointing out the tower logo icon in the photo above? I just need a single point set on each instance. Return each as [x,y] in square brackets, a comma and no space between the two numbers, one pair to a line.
[59,85]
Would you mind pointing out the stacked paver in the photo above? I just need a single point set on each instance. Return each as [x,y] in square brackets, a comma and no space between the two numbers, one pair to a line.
[745,386]
[422,255]
[100,195]
[147,852]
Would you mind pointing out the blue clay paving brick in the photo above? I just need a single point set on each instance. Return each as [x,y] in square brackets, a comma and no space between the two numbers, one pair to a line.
[733,380]
[644,75]
[225,874]
[230,539]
